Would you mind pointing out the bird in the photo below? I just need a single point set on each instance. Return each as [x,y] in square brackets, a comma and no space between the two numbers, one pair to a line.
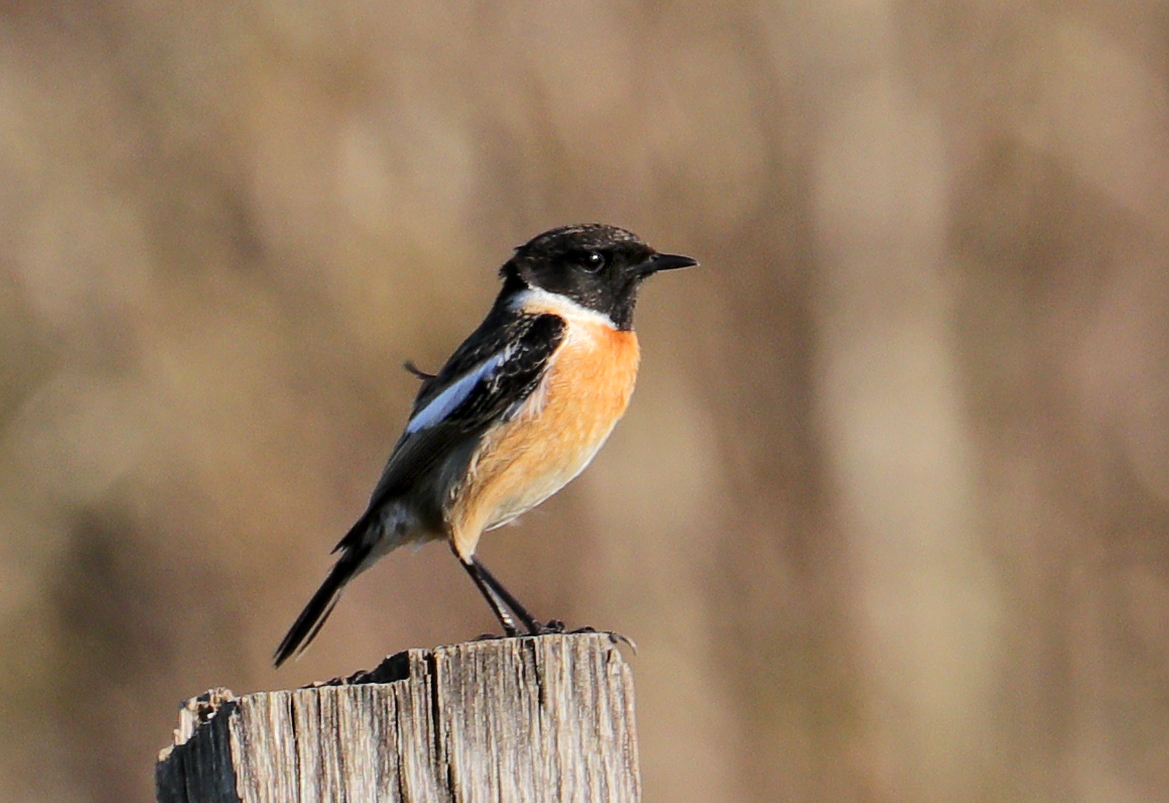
[518,410]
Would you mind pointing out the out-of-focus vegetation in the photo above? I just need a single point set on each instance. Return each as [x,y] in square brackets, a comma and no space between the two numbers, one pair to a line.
[889,516]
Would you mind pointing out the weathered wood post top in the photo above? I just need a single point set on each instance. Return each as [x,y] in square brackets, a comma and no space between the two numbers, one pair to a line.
[543,718]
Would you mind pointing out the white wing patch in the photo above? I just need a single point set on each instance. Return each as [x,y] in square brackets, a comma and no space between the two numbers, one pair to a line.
[454,394]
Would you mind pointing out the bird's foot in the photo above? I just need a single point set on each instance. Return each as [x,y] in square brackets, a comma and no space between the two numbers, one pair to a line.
[556,627]
[615,637]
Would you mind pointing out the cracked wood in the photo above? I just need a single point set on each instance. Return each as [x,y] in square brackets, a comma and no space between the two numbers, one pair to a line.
[548,718]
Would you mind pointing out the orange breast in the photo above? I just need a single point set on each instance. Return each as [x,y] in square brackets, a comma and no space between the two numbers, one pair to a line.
[553,436]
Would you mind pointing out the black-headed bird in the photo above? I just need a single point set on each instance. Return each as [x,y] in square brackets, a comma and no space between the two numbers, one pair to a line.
[518,410]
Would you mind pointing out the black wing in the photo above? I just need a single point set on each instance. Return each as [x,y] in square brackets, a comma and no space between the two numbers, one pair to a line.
[486,380]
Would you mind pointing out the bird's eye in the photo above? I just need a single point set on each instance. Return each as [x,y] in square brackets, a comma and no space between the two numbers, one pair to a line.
[593,261]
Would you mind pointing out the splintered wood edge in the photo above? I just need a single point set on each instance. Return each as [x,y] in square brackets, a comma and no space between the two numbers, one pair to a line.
[197,712]
[194,713]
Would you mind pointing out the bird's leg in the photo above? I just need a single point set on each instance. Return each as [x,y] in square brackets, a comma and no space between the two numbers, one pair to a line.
[498,606]
[534,627]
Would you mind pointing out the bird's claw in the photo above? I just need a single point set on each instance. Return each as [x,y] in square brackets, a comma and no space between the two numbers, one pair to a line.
[557,626]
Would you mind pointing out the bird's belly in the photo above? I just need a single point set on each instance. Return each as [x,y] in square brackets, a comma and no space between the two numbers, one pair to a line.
[552,437]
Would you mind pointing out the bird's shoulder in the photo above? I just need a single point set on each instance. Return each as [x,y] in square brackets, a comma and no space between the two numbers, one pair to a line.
[509,346]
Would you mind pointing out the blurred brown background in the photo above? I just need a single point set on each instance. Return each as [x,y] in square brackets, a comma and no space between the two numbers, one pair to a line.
[888,514]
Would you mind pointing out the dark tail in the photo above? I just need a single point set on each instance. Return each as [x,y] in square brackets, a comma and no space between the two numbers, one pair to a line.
[308,624]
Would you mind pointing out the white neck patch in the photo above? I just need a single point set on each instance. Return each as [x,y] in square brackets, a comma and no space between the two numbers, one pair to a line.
[536,300]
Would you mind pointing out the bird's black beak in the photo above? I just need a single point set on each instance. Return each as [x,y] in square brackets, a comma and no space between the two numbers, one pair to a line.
[660,262]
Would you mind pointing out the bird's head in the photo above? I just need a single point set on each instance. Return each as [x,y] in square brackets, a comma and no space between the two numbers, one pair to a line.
[596,266]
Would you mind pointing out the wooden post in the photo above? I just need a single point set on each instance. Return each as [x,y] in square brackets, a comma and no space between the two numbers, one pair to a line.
[547,718]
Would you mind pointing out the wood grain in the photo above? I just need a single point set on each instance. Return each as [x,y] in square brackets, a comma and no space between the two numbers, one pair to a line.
[547,718]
